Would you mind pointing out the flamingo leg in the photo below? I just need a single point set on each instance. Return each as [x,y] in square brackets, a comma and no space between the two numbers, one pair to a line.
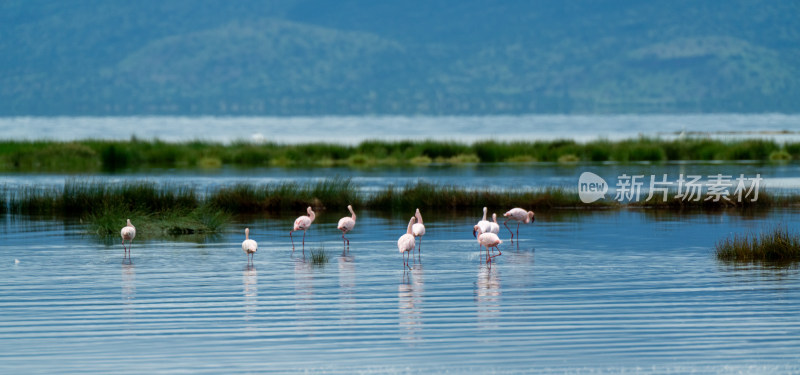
[517,230]
[509,229]
[304,242]
[292,238]
[498,250]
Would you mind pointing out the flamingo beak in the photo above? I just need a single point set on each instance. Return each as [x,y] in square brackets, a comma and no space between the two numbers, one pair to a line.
[473,234]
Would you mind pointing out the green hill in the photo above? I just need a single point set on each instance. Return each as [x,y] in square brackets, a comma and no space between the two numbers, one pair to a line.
[318,57]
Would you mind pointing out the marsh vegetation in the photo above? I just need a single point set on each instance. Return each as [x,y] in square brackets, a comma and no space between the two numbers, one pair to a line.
[104,155]
[778,245]
[178,209]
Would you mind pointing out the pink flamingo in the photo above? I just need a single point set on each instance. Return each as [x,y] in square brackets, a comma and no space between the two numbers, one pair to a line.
[521,216]
[488,240]
[418,229]
[249,246]
[483,224]
[493,226]
[406,242]
[304,223]
[346,224]
[128,232]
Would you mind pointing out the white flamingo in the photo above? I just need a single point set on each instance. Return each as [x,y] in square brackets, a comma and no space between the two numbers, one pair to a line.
[249,246]
[483,223]
[128,232]
[406,242]
[493,226]
[418,229]
[488,240]
[302,222]
[346,224]
[520,216]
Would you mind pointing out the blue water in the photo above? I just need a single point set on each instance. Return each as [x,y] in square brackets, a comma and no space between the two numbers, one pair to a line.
[779,178]
[622,291]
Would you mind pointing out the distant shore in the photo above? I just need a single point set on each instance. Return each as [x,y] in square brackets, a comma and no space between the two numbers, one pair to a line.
[104,155]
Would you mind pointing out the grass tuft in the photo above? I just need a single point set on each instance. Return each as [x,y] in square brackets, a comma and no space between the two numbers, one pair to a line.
[775,245]
[780,156]
[319,256]
[568,159]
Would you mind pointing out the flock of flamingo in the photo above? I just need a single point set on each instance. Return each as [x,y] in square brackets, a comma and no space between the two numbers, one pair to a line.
[484,231]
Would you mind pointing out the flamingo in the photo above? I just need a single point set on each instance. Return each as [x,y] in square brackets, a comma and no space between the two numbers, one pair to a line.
[304,223]
[493,226]
[418,229]
[346,224]
[488,240]
[249,246]
[483,224]
[521,216]
[128,232]
[406,242]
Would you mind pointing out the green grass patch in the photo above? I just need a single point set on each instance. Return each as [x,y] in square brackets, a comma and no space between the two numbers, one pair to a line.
[774,245]
[427,195]
[155,209]
[78,198]
[247,198]
[319,256]
[780,156]
[197,221]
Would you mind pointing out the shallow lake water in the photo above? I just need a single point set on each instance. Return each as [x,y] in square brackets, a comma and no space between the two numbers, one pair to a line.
[629,291]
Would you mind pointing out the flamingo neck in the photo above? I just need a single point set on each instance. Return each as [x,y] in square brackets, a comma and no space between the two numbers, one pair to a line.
[311,214]
[352,212]
[247,234]
[410,224]
[484,214]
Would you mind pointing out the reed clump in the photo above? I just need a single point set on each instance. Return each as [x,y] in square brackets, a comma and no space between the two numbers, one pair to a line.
[423,194]
[773,245]
[158,209]
[319,256]
[247,198]
[78,198]
[197,221]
